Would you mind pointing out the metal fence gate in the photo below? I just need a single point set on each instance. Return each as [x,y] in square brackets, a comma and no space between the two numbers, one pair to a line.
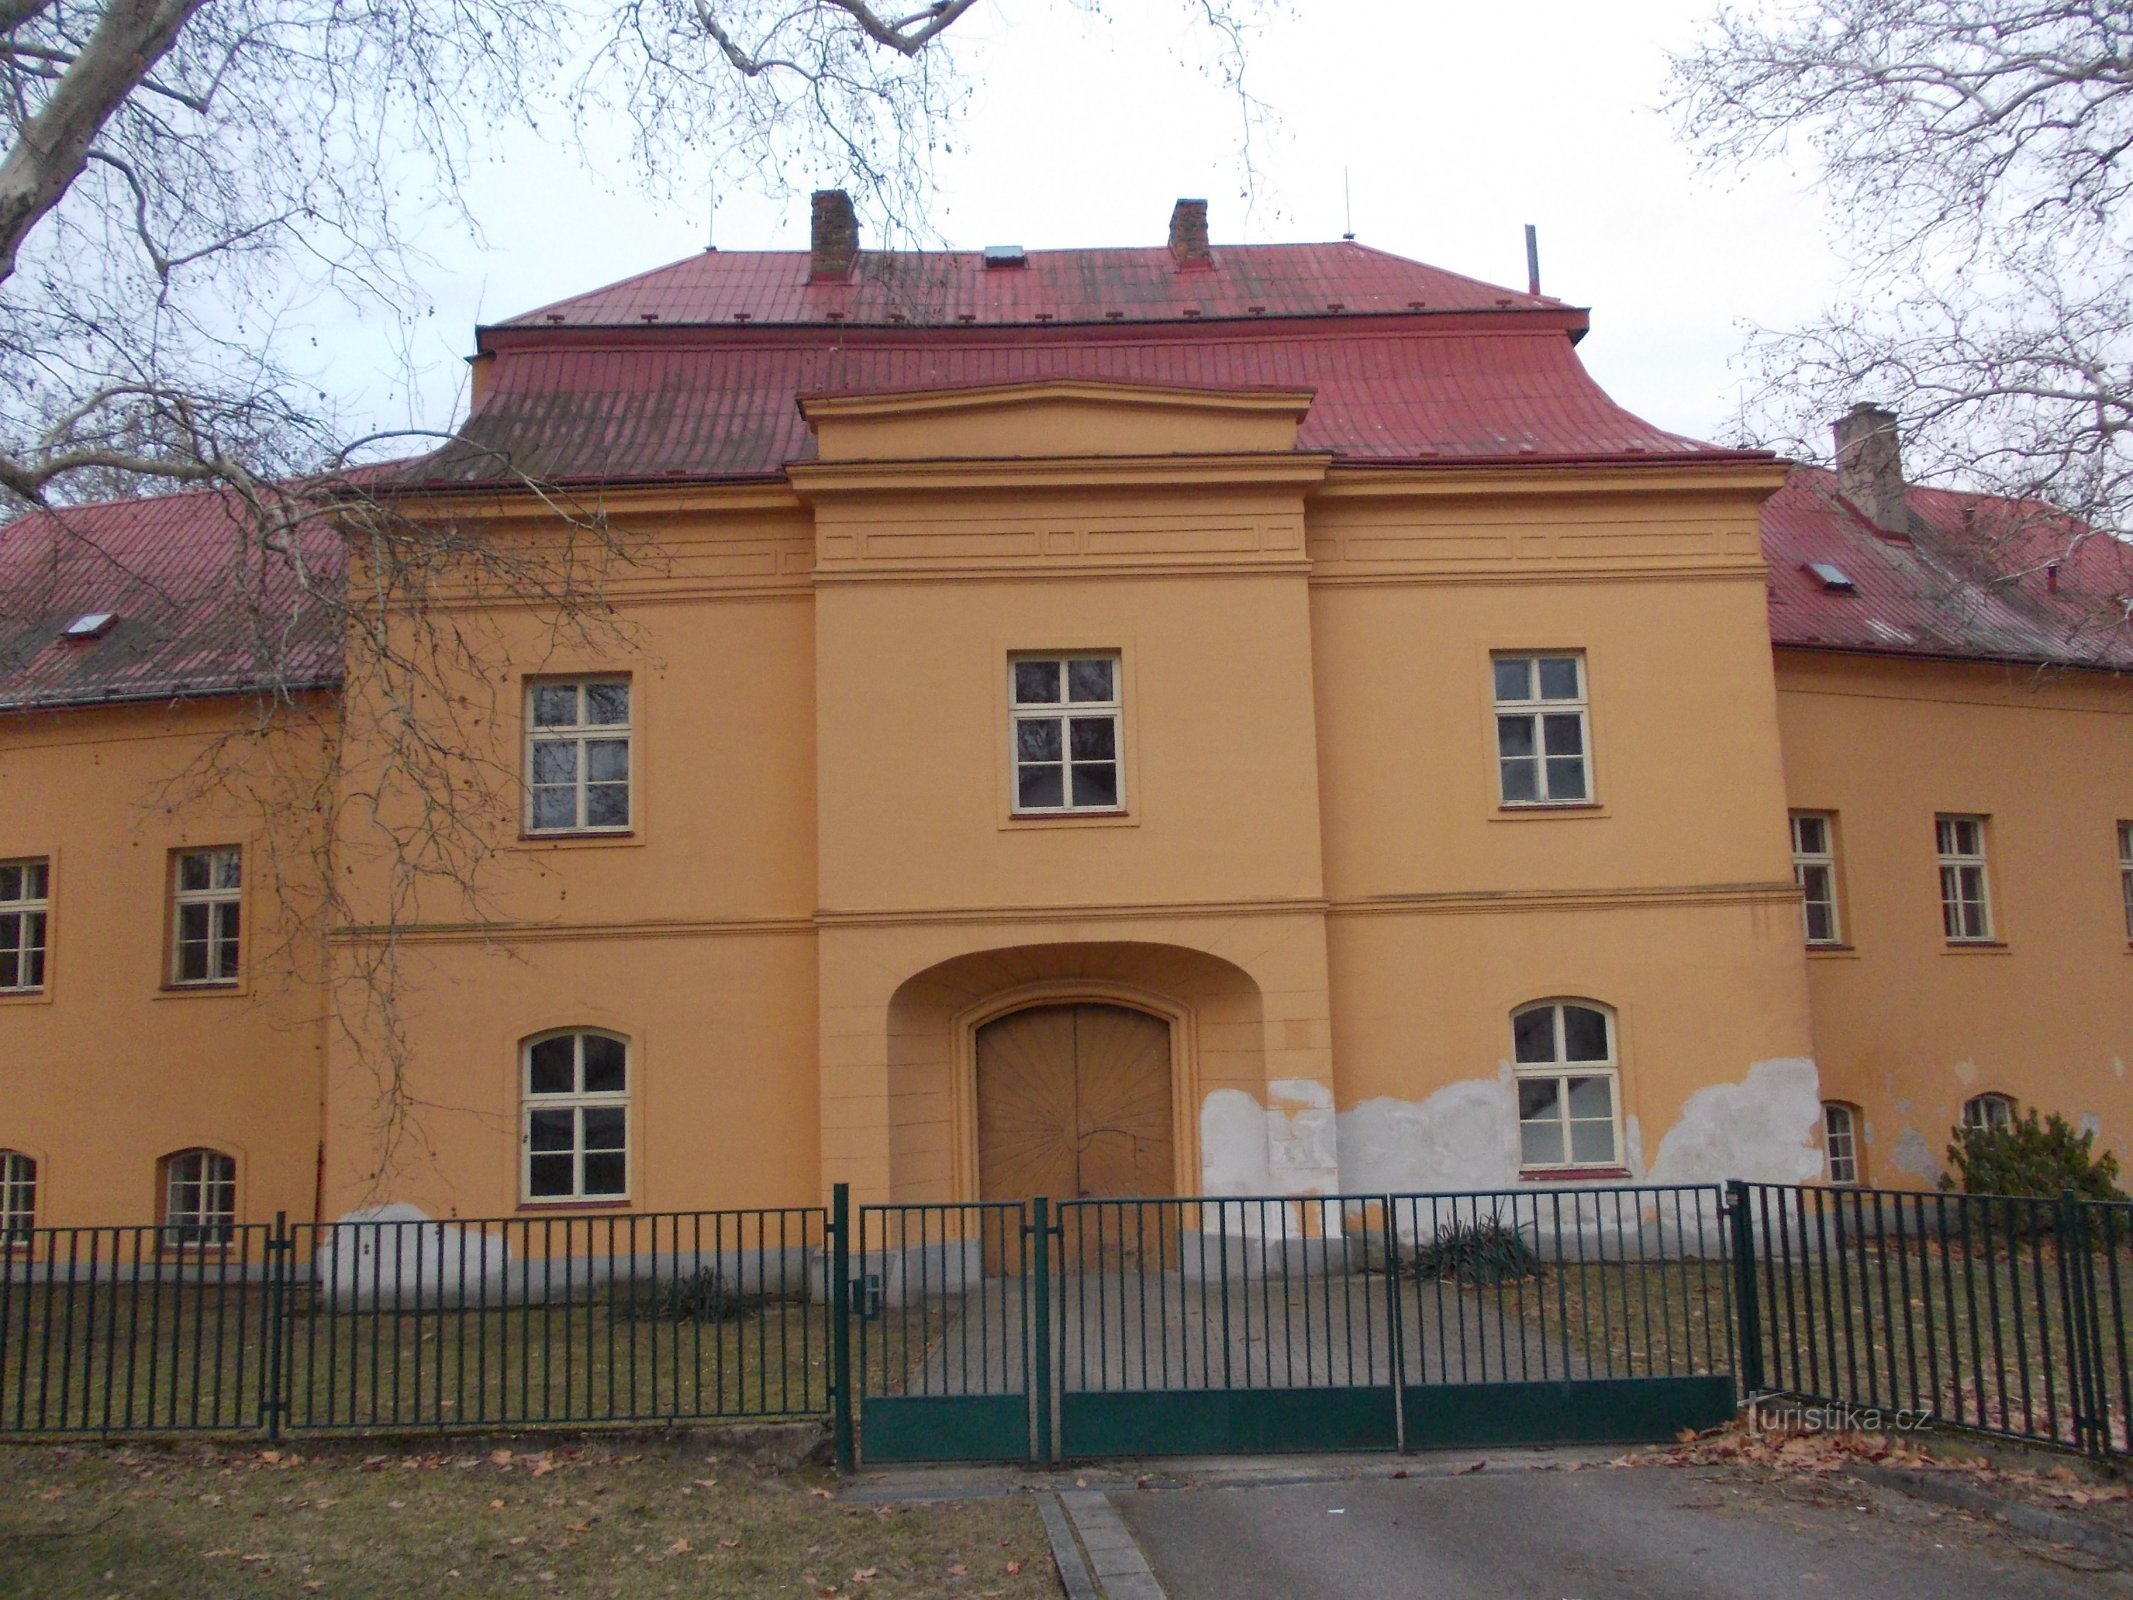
[1348,1322]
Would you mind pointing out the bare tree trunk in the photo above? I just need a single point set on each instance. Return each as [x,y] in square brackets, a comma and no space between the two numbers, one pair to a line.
[131,36]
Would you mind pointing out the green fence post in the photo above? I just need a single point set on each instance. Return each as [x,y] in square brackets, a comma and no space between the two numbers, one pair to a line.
[1746,1308]
[274,1400]
[1040,1376]
[2076,1298]
[840,1269]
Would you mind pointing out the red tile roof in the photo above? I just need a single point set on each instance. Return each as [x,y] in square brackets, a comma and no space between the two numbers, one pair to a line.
[198,611]
[1968,579]
[954,287]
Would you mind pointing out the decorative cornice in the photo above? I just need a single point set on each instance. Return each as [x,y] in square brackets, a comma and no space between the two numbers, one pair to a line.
[815,480]
[1000,396]
[1468,902]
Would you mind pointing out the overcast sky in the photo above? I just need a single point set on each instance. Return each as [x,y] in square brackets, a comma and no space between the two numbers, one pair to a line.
[1454,126]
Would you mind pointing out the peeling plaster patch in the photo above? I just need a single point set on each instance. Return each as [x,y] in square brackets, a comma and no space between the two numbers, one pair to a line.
[1761,1128]
[2090,1124]
[1915,1157]
[2118,1065]
[1233,1128]
[372,1253]
[1301,1137]
[1465,1136]
[1965,1072]
[1633,1146]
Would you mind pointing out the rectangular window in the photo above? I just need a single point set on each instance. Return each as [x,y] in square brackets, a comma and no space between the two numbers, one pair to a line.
[1814,869]
[18,1199]
[1543,736]
[576,1133]
[1840,1142]
[1065,719]
[2125,871]
[578,756]
[206,889]
[1965,901]
[199,1200]
[25,912]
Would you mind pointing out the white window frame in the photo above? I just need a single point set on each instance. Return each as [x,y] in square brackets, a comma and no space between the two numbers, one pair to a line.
[1561,1070]
[1989,1110]
[25,923]
[580,733]
[1065,711]
[2125,871]
[576,1101]
[1840,1142]
[206,1179]
[1813,866]
[222,901]
[18,1198]
[1965,882]
[1542,715]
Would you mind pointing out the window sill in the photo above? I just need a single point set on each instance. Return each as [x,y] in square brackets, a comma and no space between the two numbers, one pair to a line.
[1550,810]
[1833,952]
[1021,821]
[26,997]
[1572,1174]
[541,1207]
[1976,947]
[195,991]
[580,839]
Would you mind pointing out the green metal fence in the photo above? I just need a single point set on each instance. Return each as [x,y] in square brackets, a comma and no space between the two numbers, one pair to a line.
[1999,1315]
[392,1324]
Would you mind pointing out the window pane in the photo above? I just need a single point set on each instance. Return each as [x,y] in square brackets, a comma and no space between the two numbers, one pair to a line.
[550,1130]
[10,965]
[1036,683]
[555,761]
[1533,1036]
[1540,1144]
[603,1127]
[226,940]
[1539,1098]
[1514,736]
[548,1176]
[1096,785]
[1593,1098]
[1821,922]
[606,1174]
[1566,777]
[1810,836]
[1041,786]
[11,883]
[548,1067]
[1563,736]
[607,760]
[1093,738]
[1521,781]
[1559,678]
[1089,680]
[555,705]
[555,808]
[192,924]
[1592,1144]
[604,1070]
[192,963]
[228,869]
[1514,677]
[1585,1033]
[607,703]
[607,805]
[192,871]
[1037,739]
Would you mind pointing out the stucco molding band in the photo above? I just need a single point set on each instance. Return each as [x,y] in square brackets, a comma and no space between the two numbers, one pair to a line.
[547,932]
[1227,471]
[1042,916]
[1773,892]
[1513,577]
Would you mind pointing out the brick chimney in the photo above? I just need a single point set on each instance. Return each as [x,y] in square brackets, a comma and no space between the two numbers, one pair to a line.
[1188,234]
[833,237]
[1870,466]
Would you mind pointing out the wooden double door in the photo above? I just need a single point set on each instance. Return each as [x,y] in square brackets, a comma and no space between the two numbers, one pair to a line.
[1074,1103]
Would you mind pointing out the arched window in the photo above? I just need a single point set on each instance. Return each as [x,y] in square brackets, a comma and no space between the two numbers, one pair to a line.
[1989,1111]
[199,1199]
[575,1132]
[1563,1052]
[18,1198]
[1840,1141]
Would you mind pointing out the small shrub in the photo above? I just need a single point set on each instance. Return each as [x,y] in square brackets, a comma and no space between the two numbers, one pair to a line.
[2029,1158]
[701,1296]
[1482,1251]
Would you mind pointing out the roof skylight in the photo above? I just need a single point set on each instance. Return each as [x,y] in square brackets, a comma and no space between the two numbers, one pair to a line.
[89,625]
[1832,576]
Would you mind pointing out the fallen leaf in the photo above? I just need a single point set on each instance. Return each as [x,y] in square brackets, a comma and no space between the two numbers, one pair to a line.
[1013,1567]
[499,1458]
[680,1547]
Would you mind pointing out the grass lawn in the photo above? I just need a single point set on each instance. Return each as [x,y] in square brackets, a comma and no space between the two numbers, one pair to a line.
[615,1518]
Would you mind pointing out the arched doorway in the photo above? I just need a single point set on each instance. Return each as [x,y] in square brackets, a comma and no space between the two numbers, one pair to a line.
[1074,1101]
